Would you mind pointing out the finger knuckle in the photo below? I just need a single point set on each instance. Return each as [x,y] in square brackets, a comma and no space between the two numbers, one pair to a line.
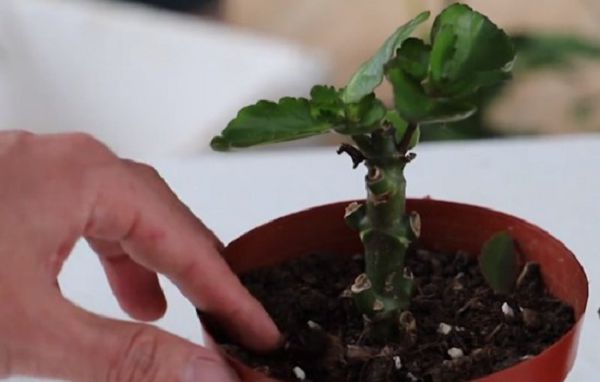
[16,137]
[143,169]
[140,166]
[79,140]
[80,153]
[20,135]
[138,362]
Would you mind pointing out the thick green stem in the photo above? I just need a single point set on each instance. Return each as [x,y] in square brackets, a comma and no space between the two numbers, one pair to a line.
[386,231]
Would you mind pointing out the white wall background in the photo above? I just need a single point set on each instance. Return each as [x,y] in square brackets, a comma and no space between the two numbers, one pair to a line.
[146,82]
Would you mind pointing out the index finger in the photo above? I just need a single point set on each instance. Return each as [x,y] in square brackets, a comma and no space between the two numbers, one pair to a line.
[134,206]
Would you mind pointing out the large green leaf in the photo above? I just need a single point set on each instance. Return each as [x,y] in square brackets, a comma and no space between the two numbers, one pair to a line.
[499,262]
[415,106]
[468,51]
[370,74]
[270,122]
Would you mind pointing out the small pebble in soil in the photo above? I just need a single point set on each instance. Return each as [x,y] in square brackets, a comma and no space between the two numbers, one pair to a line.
[507,310]
[444,328]
[455,353]
[299,373]
[313,325]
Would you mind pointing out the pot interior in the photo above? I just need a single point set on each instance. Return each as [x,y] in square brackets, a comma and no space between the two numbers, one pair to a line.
[446,226]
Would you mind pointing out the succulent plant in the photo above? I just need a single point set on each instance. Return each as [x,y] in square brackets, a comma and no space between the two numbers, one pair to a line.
[433,82]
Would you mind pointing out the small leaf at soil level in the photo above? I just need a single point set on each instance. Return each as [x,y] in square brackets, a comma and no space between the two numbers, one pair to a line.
[499,262]
[370,74]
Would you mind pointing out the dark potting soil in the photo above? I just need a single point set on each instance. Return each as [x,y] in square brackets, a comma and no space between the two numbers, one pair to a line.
[463,329]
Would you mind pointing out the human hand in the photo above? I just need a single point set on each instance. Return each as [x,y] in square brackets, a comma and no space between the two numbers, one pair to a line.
[55,189]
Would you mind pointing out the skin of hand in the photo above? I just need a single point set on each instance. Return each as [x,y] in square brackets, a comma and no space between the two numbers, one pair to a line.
[55,189]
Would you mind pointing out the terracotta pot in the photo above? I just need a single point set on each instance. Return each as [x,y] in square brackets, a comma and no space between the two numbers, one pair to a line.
[447,227]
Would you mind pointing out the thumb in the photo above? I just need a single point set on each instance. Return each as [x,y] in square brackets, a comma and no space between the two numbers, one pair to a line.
[84,346]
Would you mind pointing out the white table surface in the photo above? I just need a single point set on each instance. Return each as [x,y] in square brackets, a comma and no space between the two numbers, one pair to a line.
[553,182]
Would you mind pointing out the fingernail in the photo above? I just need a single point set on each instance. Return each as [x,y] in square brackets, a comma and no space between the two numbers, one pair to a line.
[201,370]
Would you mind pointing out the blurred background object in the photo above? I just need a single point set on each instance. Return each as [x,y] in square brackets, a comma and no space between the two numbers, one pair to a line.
[201,7]
[144,81]
[149,81]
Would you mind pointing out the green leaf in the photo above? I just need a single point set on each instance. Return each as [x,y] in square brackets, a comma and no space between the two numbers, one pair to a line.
[363,117]
[370,74]
[415,106]
[401,126]
[394,118]
[471,87]
[413,58]
[441,54]
[325,95]
[499,262]
[219,143]
[465,43]
[371,111]
[326,104]
[270,122]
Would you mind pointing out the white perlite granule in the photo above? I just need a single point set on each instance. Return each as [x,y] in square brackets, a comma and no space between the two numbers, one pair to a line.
[313,325]
[507,310]
[444,328]
[455,353]
[299,373]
